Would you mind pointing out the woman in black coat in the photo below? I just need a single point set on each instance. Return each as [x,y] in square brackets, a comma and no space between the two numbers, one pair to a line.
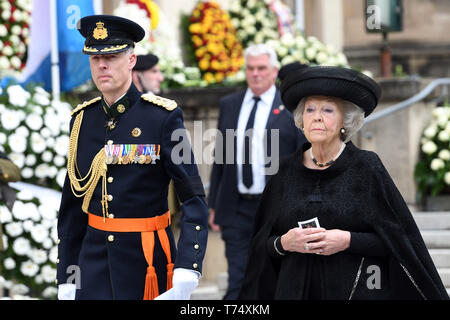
[364,243]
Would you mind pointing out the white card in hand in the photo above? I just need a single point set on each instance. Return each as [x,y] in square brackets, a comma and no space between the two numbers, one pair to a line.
[311,223]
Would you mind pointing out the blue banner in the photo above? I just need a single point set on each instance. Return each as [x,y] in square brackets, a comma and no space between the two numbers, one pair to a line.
[73,64]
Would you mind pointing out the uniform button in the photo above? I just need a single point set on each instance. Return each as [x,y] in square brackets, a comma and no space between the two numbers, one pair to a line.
[57,260]
[56,281]
[195,266]
[111,216]
[110,179]
[59,241]
[110,238]
[197,228]
[196,247]
[110,142]
[110,197]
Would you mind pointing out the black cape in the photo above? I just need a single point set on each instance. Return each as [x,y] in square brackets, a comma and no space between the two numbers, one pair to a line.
[356,194]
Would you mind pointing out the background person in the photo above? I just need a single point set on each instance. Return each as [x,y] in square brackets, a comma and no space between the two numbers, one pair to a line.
[147,76]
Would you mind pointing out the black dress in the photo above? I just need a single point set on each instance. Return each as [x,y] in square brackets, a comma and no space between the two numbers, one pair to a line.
[387,257]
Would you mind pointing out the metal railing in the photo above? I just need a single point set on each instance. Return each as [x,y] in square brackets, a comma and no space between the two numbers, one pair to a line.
[409,102]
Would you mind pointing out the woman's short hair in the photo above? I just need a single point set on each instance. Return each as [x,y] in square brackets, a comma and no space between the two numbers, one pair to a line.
[353,117]
[260,49]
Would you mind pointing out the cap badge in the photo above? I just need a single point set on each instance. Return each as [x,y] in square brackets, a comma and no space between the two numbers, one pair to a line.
[100,32]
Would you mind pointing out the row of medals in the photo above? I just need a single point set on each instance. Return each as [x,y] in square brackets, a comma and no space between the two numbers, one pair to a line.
[130,158]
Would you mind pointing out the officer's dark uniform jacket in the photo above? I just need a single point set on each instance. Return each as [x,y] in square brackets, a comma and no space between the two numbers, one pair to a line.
[112,265]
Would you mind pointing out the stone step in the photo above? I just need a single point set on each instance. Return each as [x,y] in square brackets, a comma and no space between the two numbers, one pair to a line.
[432,220]
[441,257]
[445,276]
[436,238]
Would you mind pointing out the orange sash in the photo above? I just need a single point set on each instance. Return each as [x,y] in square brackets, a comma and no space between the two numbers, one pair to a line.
[146,226]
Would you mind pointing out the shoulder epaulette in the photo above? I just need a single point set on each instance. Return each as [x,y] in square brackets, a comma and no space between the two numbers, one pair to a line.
[84,105]
[160,101]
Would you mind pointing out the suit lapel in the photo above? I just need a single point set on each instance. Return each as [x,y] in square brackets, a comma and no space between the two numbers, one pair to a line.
[233,110]
[273,114]
[236,110]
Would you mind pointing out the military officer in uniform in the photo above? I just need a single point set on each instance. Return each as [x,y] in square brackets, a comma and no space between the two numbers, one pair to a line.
[147,76]
[114,234]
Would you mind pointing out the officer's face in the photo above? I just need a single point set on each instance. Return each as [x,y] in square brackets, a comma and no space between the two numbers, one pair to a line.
[152,79]
[111,73]
[260,73]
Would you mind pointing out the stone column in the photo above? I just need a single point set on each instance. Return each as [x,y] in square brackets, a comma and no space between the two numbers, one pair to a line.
[324,20]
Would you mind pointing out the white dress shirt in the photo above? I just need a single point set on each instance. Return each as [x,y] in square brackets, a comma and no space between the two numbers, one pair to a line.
[257,143]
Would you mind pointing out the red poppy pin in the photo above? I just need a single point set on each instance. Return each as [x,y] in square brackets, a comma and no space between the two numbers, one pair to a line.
[278,110]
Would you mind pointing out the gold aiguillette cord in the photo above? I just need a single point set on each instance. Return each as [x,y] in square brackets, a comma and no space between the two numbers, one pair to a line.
[97,170]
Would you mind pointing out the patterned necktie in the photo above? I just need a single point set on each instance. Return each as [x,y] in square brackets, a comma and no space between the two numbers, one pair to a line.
[247,174]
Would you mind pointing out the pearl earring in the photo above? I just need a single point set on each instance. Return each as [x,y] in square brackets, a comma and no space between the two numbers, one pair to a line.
[342,130]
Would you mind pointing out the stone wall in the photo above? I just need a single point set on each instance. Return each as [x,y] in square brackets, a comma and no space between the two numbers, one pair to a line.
[422,47]
[423,21]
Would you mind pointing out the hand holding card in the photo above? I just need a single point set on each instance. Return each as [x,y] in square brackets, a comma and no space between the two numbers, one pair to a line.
[311,223]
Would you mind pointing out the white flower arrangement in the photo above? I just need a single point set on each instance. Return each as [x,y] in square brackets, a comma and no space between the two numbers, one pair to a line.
[30,241]
[15,17]
[257,23]
[34,133]
[432,172]
[254,21]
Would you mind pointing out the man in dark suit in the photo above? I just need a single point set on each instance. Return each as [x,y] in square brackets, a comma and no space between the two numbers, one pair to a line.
[257,130]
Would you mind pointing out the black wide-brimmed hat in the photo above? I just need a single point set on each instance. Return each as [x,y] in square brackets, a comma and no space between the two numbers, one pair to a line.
[106,34]
[328,81]
[289,68]
[145,62]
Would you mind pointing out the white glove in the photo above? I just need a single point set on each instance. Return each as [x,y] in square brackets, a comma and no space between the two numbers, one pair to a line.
[184,282]
[66,291]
